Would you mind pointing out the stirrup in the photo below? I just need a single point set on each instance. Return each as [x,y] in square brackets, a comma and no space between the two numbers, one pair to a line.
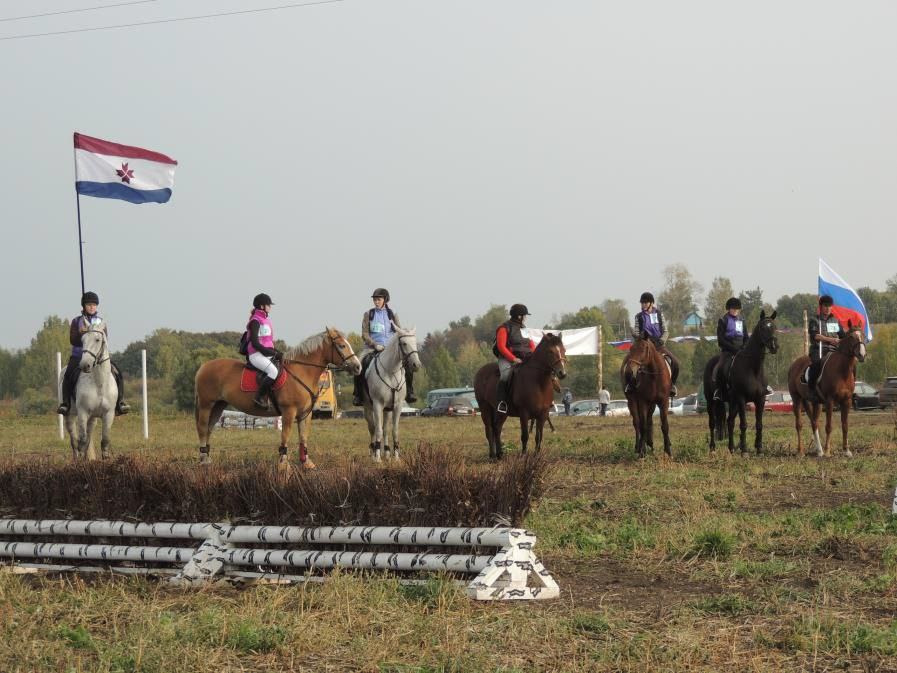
[261,402]
[674,391]
[357,401]
[410,397]
[122,409]
[63,409]
[502,407]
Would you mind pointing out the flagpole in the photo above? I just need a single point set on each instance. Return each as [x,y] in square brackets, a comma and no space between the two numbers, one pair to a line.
[80,241]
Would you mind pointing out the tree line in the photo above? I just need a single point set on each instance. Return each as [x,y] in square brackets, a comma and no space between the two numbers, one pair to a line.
[451,356]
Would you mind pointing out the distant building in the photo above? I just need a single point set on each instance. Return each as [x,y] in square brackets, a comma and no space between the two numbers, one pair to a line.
[693,322]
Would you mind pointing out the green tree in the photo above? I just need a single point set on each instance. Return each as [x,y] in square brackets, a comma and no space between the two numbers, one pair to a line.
[678,297]
[484,326]
[10,364]
[619,322]
[38,368]
[704,350]
[183,379]
[587,316]
[473,355]
[790,308]
[717,296]
[751,306]
[442,371]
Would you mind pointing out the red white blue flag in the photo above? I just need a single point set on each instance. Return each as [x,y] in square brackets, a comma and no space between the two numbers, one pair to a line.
[847,305]
[113,171]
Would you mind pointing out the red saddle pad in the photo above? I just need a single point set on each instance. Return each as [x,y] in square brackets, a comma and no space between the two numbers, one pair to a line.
[248,382]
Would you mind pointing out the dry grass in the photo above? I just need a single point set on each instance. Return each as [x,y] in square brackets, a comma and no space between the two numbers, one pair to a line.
[701,563]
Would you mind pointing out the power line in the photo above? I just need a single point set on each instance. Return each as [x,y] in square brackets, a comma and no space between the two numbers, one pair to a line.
[74,11]
[176,20]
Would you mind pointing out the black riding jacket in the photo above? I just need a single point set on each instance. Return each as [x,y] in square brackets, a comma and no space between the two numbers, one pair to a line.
[827,327]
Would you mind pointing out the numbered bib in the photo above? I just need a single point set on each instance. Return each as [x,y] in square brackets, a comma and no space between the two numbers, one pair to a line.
[739,327]
[524,332]
[832,327]
[377,328]
[265,330]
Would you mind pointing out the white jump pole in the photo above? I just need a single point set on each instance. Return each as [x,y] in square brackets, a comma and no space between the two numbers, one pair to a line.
[145,403]
[59,391]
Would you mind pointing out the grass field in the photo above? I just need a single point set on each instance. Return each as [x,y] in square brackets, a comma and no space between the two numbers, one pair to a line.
[707,562]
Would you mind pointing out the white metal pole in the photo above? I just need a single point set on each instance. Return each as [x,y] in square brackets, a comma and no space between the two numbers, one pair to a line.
[59,391]
[145,402]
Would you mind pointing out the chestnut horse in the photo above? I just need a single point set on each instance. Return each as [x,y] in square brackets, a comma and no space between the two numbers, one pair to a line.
[218,384]
[747,383]
[531,394]
[646,375]
[835,384]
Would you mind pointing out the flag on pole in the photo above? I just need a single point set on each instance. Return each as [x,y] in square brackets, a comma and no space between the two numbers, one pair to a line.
[847,305]
[113,171]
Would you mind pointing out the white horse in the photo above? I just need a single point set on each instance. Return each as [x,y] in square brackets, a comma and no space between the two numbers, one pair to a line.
[385,395]
[95,396]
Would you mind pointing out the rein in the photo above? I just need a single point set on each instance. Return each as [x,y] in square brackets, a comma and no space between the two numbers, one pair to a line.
[314,395]
[96,356]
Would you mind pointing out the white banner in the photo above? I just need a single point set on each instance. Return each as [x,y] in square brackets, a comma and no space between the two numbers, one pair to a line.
[583,341]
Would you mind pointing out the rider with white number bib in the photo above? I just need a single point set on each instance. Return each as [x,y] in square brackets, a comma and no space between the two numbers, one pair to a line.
[377,326]
[824,330]
[89,318]
[261,352]
[731,337]
[649,324]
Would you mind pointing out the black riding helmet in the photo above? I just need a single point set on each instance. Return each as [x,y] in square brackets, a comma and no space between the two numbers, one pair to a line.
[645,298]
[381,292]
[826,300]
[733,302]
[89,298]
[261,300]
[519,310]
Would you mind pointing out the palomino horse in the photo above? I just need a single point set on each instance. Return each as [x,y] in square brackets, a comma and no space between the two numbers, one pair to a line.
[531,394]
[835,384]
[385,394]
[218,384]
[95,396]
[646,375]
[747,383]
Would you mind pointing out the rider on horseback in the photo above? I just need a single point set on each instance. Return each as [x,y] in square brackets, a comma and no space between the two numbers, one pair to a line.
[512,346]
[649,324]
[825,332]
[260,351]
[731,337]
[88,318]
[377,325]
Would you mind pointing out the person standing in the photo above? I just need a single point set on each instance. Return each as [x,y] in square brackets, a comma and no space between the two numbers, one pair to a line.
[567,399]
[603,400]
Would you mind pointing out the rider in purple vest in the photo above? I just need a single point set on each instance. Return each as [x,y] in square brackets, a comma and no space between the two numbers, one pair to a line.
[649,324]
[731,337]
[88,318]
[261,352]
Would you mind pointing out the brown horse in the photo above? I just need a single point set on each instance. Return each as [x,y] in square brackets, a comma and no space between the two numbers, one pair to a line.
[646,375]
[835,384]
[218,384]
[531,394]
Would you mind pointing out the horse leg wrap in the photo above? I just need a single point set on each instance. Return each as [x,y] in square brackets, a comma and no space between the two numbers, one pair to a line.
[303,452]
[282,450]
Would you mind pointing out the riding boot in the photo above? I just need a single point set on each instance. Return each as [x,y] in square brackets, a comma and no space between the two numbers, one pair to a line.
[502,396]
[358,382]
[68,387]
[410,397]
[261,396]
[121,407]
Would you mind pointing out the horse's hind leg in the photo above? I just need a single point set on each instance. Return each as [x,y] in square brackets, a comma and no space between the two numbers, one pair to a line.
[486,416]
[540,426]
[665,428]
[711,423]
[798,404]
[395,434]
[106,442]
[758,425]
[203,413]
[730,425]
[387,422]
[524,431]
[742,426]
[845,410]
[498,422]
[87,447]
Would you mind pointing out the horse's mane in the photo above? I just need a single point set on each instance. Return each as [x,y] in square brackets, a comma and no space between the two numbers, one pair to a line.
[311,344]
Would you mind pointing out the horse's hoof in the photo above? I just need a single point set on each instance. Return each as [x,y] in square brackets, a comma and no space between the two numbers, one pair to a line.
[204,459]
[308,465]
[848,453]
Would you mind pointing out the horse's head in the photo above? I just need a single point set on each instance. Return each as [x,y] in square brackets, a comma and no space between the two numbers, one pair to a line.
[552,354]
[341,353]
[766,332]
[854,344]
[407,339]
[641,354]
[94,348]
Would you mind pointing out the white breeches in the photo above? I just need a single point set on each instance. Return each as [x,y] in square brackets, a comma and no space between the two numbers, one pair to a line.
[263,363]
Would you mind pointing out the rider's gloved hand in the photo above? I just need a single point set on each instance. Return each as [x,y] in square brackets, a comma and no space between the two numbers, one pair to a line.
[378,347]
[517,361]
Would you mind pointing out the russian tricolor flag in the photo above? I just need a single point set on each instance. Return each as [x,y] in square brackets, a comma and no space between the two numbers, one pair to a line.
[112,171]
[847,303]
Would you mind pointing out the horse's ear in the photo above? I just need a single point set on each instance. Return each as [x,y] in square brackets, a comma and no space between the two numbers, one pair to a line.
[849,324]
[773,316]
[560,336]
[762,314]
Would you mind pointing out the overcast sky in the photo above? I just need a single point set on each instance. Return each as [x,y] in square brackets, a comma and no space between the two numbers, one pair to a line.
[458,152]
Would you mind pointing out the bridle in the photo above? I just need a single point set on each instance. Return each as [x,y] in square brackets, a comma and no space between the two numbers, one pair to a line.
[103,348]
[406,356]
[856,349]
[555,367]
[314,395]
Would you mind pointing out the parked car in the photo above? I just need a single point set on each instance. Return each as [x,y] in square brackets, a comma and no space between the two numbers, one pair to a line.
[449,406]
[410,411]
[582,407]
[887,396]
[776,402]
[865,396]
[618,408]
[689,404]
[556,409]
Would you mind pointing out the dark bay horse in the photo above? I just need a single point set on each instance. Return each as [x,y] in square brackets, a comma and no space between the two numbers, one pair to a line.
[747,383]
[218,384]
[531,394]
[835,384]
[646,375]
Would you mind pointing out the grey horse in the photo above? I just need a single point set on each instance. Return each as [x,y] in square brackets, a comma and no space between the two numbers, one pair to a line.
[385,394]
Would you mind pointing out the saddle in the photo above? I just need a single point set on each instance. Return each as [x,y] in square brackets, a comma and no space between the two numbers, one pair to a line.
[252,377]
